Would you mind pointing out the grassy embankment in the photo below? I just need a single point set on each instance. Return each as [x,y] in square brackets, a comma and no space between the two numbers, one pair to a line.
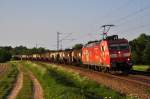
[7,81]
[58,83]
[141,67]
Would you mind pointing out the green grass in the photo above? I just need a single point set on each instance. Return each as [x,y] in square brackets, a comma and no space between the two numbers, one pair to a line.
[141,67]
[7,81]
[58,83]
[27,89]
[3,73]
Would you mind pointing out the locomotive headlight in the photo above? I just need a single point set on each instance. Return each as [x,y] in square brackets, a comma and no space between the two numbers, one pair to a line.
[113,55]
[128,59]
[126,54]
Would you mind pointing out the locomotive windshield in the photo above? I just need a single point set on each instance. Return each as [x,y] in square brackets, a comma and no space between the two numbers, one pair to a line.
[119,47]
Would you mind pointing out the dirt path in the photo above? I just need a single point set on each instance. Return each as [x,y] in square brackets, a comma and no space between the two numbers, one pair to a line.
[17,86]
[38,91]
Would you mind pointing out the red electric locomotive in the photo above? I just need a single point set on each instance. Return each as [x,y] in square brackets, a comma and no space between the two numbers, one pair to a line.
[111,53]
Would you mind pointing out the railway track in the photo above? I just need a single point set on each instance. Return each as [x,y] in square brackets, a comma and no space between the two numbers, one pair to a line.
[138,77]
[134,72]
[144,80]
[141,76]
[135,80]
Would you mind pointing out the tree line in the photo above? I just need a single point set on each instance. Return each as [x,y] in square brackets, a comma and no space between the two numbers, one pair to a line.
[7,52]
[140,48]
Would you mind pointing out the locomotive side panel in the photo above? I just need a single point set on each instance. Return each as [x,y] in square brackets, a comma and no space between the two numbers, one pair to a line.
[96,55]
[91,54]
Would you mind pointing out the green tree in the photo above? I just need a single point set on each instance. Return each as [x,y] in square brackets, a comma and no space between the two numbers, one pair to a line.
[136,57]
[146,54]
[138,46]
[19,50]
[37,50]
[4,55]
[77,46]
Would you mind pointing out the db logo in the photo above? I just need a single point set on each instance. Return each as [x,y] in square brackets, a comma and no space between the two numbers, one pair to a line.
[87,55]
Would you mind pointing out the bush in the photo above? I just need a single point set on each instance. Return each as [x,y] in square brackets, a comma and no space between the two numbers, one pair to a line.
[4,55]
[140,50]
[146,54]
[77,46]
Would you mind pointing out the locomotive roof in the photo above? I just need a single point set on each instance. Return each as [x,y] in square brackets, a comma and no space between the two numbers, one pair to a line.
[110,39]
[118,41]
[92,43]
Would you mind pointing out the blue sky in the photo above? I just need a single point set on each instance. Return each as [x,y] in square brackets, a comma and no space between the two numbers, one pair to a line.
[31,22]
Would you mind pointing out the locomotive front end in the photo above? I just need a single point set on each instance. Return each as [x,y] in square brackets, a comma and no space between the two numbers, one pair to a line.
[120,54]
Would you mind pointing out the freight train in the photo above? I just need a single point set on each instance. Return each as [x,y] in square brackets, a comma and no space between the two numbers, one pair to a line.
[109,54]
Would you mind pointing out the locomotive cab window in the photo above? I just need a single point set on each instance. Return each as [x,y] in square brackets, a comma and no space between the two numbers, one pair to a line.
[124,46]
[119,47]
[114,47]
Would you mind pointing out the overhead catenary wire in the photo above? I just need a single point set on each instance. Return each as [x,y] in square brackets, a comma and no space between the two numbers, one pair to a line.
[132,14]
[132,20]
[122,19]
[66,38]
[118,8]
[69,34]
[138,27]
